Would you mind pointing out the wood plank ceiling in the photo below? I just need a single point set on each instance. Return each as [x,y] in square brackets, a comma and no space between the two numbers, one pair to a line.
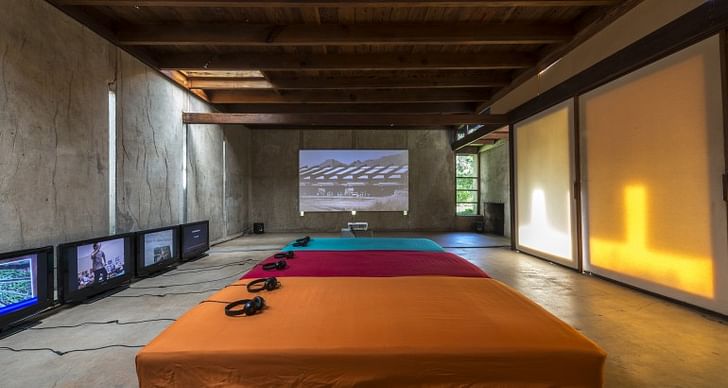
[347,63]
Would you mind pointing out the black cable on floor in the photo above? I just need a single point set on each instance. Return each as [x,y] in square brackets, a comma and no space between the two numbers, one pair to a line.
[187,284]
[115,322]
[166,293]
[62,353]
[204,269]
[223,250]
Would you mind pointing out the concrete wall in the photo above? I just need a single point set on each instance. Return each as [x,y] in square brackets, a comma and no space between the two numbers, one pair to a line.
[237,181]
[274,183]
[149,148]
[54,187]
[53,164]
[494,179]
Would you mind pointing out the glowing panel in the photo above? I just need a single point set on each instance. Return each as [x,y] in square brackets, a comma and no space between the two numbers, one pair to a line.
[543,190]
[692,274]
[653,157]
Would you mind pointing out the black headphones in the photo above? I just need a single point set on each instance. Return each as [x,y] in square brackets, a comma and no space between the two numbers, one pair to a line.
[268,284]
[280,264]
[249,307]
[284,255]
[302,242]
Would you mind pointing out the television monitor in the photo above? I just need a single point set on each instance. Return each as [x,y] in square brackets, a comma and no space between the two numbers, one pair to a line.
[353,180]
[157,249]
[26,284]
[90,267]
[195,239]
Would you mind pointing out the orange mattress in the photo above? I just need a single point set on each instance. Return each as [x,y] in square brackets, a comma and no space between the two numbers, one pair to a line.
[343,331]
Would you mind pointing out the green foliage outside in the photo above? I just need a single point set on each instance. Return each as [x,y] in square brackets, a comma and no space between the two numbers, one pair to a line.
[466,166]
[466,196]
[466,209]
[466,184]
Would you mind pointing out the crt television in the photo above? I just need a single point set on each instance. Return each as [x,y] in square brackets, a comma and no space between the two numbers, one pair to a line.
[26,284]
[157,249]
[195,239]
[90,267]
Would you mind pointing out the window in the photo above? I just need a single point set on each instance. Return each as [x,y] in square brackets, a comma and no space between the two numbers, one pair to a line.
[466,184]
[112,160]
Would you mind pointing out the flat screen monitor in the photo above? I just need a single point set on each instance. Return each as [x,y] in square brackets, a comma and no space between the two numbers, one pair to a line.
[195,239]
[353,180]
[26,284]
[157,249]
[90,267]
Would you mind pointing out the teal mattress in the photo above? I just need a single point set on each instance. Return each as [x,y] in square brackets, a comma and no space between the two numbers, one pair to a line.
[367,244]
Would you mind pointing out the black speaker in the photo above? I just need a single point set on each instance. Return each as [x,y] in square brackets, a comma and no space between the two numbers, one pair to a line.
[258,228]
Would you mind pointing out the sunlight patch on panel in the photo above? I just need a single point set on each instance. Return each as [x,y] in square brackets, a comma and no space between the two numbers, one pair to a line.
[633,256]
[543,184]
[653,161]
[539,232]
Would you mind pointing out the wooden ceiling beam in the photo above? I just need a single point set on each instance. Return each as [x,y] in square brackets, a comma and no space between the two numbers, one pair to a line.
[394,108]
[220,34]
[598,20]
[337,3]
[264,127]
[347,97]
[361,82]
[384,61]
[340,119]
[228,83]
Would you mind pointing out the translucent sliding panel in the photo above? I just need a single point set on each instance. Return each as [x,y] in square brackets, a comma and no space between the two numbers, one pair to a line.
[543,184]
[653,159]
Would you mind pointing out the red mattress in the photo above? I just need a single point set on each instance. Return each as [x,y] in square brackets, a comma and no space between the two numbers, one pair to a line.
[370,264]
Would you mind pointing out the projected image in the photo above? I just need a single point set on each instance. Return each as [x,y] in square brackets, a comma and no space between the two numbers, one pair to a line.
[99,262]
[345,180]
[18,283]
[158,246]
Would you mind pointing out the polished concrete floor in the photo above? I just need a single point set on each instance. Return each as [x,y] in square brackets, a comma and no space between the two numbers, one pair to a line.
[651,342]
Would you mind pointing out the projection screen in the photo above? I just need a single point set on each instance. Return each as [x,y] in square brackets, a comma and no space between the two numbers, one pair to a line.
[346,180]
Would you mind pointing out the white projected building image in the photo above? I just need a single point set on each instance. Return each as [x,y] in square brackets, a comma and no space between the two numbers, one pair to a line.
[346,180]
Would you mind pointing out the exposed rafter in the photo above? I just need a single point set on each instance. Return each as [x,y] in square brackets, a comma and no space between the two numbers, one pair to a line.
[228,83]
[394,108]
[343,96]
[337,3]
[362,82]
[340,119]
[352,57]
[267,62]
[597,21]
[341,35]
